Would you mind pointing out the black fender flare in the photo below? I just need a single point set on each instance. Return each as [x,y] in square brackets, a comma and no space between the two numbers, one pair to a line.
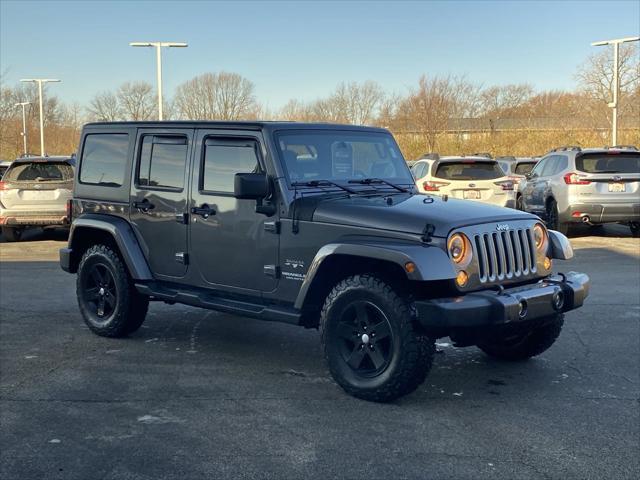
[123,236]
[431,262]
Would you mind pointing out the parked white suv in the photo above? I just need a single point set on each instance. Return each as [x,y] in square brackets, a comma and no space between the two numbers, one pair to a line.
[34,192]
[592,186]
[470,178]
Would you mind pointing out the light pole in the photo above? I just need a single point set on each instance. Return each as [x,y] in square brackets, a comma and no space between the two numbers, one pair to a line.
[616,80]
[158,46]
[24,124]
[40,81]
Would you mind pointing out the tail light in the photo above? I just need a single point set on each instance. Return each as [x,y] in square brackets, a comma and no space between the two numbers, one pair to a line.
[505,184]
[433,186]
[574,179]
[516,180]
[69,210]
[3,186]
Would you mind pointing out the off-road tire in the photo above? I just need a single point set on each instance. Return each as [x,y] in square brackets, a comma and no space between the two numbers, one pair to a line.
[12,234]
[129,307]
[410,355]
[635,229]
[553,218]
[524,346]
[520,203]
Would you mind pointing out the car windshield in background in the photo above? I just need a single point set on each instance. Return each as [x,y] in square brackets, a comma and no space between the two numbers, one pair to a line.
[340,156]
[39,172]
[469,170]
[609,163]
[524,168]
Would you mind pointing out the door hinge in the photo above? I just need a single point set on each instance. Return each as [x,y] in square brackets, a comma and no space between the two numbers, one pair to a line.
[272,271]
[182,257]
[273,227]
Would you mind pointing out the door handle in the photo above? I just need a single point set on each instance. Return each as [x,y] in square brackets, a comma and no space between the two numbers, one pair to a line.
[203,210]
[144,205]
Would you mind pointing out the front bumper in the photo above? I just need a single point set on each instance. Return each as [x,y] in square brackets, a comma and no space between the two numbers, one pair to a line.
[526,303]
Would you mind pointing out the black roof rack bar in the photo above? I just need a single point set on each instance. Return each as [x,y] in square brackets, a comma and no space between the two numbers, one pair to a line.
[566,148]
[624,147]
[430,156]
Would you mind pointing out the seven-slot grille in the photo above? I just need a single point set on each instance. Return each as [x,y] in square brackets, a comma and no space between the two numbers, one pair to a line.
[505,255]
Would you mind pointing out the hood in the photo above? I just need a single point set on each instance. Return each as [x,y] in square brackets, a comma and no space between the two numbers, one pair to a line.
[411,213]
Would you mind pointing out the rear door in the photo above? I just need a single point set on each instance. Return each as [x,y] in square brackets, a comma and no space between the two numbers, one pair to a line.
[533,190]
[614,177]
[472,180]
[38,186]
[159,198]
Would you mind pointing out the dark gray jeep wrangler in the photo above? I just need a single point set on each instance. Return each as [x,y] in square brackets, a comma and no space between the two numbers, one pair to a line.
[311,224]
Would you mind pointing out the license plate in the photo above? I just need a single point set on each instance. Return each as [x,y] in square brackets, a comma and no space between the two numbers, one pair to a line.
[616,187]
[471,194]
[37,195]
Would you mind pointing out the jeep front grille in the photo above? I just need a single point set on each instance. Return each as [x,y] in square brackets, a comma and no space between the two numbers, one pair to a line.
[505,255]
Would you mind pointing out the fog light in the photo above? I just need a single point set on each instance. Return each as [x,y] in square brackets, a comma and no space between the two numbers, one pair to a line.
[522,309]
[546,263]
[462,278]
[558,300]
[410,267]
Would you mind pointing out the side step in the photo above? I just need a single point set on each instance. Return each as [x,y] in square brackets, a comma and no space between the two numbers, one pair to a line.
[206,299]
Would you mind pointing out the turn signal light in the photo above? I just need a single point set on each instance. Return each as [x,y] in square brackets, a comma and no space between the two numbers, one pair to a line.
[410,267]
[462,278]
[546,263]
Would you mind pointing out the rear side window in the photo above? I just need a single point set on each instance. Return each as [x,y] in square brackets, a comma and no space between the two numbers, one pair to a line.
[609,163]
[222,160]
[524,168]
[162,162]
[469,170]
[39,172]
[104,159]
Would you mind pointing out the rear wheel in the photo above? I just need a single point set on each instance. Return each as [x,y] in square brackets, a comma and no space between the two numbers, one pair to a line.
[553,218]
[522,346]
[12,234]
[369,340]
[519,203]
[108,301]
[635,229]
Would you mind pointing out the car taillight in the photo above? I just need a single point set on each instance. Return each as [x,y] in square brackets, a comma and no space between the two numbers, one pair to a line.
[505,184]
[433,186]
[69,210]
[3,186]
[516,180]
[574,179]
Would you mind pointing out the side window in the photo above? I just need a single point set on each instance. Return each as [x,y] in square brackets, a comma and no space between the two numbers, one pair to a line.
[104,159]
[550,167]
[162,162]
[223,159]
[562,164]
[418,171]
[537,170]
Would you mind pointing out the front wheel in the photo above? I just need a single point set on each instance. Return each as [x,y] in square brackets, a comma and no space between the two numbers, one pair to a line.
[553,218]
[635,229]
[522,346]
[369,340]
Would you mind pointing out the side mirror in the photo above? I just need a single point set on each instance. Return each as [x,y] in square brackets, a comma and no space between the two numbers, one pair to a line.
[252,186]
[528,176]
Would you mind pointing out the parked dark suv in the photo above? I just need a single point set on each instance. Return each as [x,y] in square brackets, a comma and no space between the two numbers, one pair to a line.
[315,225]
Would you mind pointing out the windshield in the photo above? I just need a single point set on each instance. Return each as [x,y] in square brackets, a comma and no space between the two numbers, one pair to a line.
[39,172]
[609,163]
[524,167]
[469,170]
[340,156]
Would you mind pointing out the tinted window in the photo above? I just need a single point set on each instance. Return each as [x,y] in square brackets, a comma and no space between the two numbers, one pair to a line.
[104,159]
[506,166]
[469,170]
[419,170]
[609,163]
[550,166]
[162,161]
[223,160]
[39,172]
[524,168]
[340,155]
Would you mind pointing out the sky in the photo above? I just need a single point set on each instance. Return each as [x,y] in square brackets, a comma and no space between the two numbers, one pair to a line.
[304,49]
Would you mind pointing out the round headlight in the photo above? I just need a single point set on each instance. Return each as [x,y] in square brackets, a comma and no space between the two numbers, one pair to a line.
[539,236]
[457,246]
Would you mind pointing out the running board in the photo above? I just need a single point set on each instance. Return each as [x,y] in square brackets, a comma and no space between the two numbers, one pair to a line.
[205,299]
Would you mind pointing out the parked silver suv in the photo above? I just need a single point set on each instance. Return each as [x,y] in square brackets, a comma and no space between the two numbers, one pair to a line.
[34,192]
[592,186]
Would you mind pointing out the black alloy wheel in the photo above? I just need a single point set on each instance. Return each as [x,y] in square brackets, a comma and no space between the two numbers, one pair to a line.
[99,291]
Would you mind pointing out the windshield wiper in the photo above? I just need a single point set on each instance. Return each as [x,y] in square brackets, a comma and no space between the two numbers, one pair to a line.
[323,183]
[370,181]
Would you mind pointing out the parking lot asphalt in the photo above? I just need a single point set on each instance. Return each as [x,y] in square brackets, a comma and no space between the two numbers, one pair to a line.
[196,394]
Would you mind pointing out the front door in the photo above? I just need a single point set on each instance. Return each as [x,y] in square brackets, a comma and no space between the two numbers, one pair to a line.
[159,199]
[232,246]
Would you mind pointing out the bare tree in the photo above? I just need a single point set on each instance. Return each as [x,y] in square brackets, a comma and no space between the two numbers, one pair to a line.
[104,107]
[216,96]
[500,100]
[136,100]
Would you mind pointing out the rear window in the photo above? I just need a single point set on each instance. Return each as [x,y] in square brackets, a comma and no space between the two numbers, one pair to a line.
[469,170]
[609,163]
[524,168]
[39,172]
[104,159]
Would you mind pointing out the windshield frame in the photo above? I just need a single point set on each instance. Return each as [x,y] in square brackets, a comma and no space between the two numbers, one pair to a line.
[408,182]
